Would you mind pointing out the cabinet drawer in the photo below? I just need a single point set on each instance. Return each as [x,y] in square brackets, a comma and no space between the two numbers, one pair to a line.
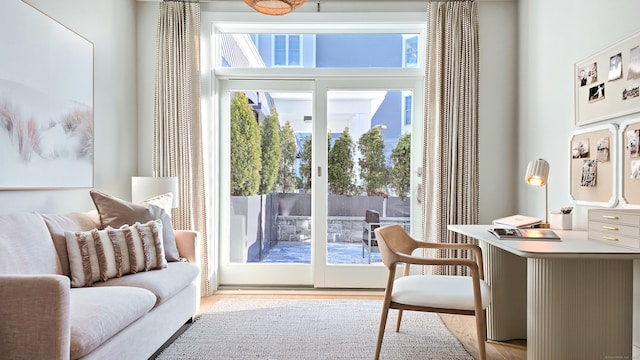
[615,239]
[614,229]
[631,218]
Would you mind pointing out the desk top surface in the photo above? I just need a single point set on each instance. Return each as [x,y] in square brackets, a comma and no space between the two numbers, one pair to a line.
[573,244]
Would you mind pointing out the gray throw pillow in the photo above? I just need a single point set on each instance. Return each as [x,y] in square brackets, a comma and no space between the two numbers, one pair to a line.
[116,212]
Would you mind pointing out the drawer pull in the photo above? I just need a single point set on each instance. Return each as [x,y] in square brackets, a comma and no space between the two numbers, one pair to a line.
[610,238]
[613,228]
[610,217]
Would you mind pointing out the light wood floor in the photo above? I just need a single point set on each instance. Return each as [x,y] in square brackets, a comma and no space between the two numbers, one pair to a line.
[463,327]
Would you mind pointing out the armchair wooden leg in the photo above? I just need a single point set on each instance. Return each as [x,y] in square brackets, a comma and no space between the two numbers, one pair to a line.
[383,324]
[481,330]
[399,320]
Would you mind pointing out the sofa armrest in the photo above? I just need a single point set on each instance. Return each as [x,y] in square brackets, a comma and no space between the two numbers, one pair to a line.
[188,244]
[35,317]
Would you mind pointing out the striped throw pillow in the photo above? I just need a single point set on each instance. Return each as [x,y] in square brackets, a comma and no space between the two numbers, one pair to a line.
[99,255]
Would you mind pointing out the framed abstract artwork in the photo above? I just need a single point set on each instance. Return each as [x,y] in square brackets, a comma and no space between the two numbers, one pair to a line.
[607,84]
[46,102]
[593,170]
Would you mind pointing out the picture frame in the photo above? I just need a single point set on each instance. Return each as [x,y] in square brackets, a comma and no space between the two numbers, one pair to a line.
[46,102]
[607,84]
[629,138]
[593,170]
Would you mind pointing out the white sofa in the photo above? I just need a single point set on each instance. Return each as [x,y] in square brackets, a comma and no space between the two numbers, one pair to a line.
[127,317]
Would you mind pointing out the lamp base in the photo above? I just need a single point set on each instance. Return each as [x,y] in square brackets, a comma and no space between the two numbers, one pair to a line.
[541,226]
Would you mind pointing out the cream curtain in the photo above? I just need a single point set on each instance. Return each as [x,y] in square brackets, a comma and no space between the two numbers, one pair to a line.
[450,160]
[178,135]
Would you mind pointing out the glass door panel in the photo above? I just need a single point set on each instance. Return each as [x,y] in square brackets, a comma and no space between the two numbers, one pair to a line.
[368,170]
[266,208]
[368,179]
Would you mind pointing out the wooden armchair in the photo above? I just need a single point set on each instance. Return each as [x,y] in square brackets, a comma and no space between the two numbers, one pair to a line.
[431,293]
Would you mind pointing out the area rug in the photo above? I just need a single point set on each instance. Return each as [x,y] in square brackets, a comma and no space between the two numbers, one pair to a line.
[278,329]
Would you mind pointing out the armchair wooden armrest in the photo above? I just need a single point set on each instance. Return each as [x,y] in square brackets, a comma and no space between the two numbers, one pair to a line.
[472,247]
[403,245]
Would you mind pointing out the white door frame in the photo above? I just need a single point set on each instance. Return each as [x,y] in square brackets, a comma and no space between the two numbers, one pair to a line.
[317,274]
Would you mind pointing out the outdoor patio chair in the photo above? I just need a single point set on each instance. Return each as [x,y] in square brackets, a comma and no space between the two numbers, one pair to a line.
[466,295]
[371,222]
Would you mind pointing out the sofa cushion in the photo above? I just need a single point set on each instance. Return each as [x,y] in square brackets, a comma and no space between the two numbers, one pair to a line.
[26,246]
[58,224]
[163,283]
[98,255]
[99,313]
[116,212]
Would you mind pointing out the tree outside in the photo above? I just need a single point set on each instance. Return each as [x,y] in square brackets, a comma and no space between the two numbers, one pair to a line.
[341,172]
[270,151]
[287,182]
[305,165]
[245,148]
[373,171]
[400,173]
[263,157]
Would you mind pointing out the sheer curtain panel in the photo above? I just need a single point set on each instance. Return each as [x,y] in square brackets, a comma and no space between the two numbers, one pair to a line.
[451,124]
[178,135]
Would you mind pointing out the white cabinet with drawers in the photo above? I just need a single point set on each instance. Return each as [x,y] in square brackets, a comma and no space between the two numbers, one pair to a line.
[621,227]
[615,226]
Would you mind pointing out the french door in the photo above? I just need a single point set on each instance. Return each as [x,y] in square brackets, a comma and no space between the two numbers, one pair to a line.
[306,227]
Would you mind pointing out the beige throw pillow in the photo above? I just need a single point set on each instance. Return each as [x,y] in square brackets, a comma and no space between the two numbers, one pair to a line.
[116,212]
[99,255]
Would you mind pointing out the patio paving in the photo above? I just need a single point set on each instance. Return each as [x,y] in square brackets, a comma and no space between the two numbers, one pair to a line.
[338,253]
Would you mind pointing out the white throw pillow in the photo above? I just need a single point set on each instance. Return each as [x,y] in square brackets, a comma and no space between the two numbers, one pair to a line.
[165,201]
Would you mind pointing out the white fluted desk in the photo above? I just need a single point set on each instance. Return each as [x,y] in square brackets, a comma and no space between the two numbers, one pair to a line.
[570,299]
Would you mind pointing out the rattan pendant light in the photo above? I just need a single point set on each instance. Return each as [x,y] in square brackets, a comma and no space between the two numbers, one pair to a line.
[274,7]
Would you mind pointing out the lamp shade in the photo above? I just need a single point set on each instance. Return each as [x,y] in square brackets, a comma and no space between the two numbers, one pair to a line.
[146,187]
[274,7]
[537,172]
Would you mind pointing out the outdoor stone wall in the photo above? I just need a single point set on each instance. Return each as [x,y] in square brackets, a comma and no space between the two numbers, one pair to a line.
[339,228]
[260,221]
[294,228]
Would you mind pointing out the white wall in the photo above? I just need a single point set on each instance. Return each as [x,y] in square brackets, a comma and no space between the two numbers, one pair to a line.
[553,36]
[109,25]
[147,25]
[498,108]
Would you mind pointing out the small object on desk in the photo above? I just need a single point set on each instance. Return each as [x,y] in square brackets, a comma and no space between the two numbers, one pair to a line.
[524,234]
[561,220]
[517,221]
[566,209]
